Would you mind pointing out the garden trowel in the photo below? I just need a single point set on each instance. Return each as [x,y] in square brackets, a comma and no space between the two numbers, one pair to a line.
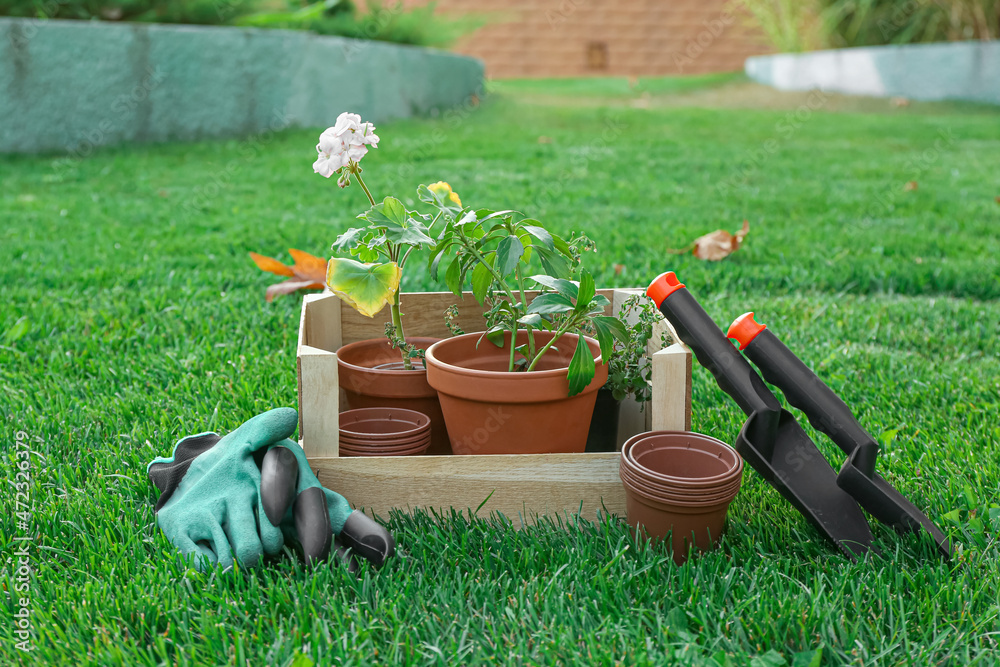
[771,440]
[830,415]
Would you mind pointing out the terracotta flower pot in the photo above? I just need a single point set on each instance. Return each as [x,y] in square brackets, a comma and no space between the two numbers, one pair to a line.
[370,378]
[679,483]
[687,526]
[682,459]
[489,410]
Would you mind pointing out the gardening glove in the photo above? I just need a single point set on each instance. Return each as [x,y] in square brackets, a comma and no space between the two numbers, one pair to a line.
[209,500]
[292,496]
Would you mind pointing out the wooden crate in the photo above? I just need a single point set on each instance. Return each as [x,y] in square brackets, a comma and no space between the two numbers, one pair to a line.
[522,486]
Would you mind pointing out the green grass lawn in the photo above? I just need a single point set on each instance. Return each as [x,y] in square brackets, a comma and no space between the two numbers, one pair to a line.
[132,316]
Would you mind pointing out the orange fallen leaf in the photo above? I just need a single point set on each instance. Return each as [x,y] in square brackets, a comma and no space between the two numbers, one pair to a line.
[308,272]
[716,245]
[910,185]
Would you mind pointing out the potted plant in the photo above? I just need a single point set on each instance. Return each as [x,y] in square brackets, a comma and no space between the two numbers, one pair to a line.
[528,383]
[629,372]
[380,372]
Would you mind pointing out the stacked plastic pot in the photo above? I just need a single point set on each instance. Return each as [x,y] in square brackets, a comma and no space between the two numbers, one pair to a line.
[384,432]
[680,484]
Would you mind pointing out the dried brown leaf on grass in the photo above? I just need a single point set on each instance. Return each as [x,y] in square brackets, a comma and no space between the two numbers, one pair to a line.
[308,272]
[716,245]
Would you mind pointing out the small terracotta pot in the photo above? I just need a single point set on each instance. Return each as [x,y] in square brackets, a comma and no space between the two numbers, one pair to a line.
[656,486]
[383,431]
[393,443]
[383,423]
[387,441]
[697,526]
[682,459]
[417,450]
[690,496]
[367,383]
[489,410]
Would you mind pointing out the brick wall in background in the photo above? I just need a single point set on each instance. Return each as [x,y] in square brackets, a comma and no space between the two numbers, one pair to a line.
[606,37]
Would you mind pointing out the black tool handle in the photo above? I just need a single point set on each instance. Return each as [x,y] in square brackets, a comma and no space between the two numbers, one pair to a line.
[714,351]
[804,390]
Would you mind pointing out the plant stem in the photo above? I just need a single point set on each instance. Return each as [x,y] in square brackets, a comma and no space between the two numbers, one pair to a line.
[357,174]
[397,323]
[482,260]
[559,333]
[524,303]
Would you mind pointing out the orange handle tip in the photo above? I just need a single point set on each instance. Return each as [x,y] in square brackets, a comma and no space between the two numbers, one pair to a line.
[663,286]
[744,329]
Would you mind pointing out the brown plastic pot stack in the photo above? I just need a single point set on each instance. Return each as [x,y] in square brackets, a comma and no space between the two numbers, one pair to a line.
[680,484]
[384,432]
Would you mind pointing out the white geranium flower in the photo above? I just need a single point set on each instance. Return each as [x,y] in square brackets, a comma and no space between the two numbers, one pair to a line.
[343,143]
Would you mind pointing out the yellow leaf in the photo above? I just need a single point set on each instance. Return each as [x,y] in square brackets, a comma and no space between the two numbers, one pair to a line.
[364,287]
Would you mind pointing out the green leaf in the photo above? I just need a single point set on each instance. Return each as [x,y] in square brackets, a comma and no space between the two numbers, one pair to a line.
[400,226]
[554,265]
[349,239]
[495,335]
[567,288]
[453,276]
[509,253]
[550,303]
[481,281]
[467,220]
[994,514]
[561,245]
[581,368]
[17,330]
[535,320]
[597,305]
[609,328]
[365,287]
[390,212]
[413,235]
[541,234]
[808,658]
[587,292]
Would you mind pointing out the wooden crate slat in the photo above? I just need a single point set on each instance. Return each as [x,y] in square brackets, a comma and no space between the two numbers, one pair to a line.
[521,485]
[671,410]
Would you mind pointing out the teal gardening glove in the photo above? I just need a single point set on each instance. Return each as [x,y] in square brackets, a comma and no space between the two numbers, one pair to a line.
[245,494]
